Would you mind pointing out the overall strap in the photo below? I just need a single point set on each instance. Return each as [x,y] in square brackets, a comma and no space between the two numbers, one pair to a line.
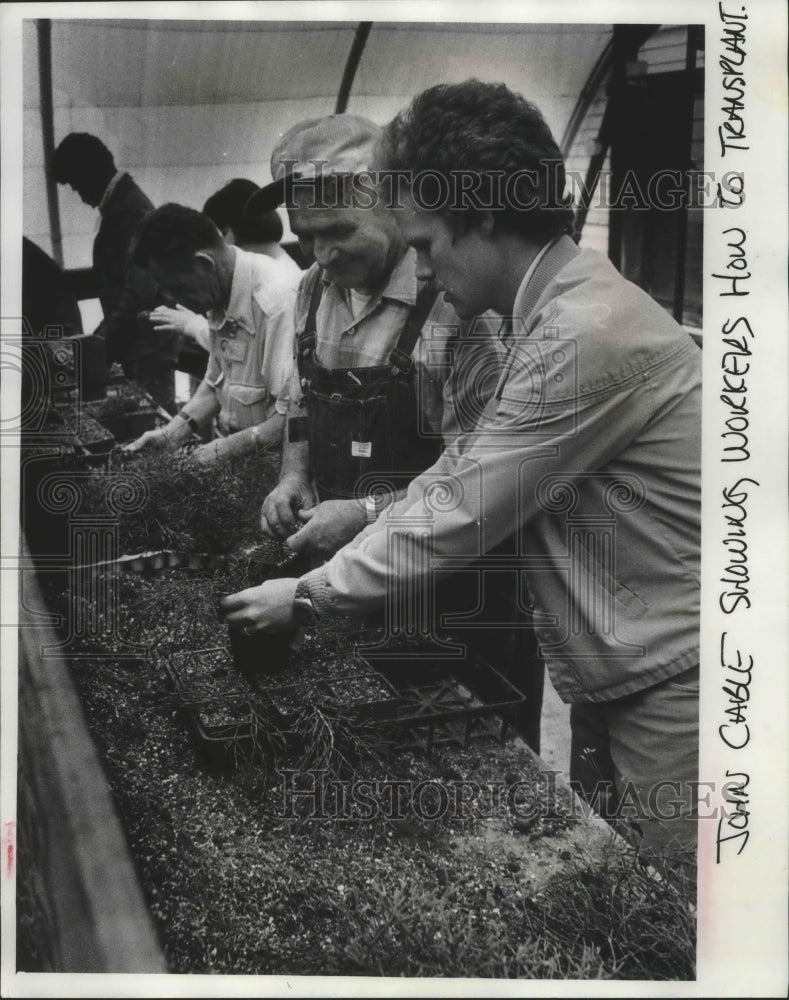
[306,339]
[401,354]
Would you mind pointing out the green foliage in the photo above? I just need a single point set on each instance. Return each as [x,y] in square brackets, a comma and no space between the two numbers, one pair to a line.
[332,739]
[615,919]
[191,507]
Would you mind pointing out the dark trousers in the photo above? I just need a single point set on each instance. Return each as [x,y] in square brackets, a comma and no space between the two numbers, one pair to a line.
[499,632]
[635,760]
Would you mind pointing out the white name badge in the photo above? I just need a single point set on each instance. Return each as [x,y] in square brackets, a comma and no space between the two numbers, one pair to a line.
[361,449]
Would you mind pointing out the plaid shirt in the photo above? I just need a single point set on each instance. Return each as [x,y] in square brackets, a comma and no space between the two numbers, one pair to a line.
[444,386]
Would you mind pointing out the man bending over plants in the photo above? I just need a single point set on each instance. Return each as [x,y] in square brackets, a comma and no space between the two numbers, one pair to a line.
[249,302]
[591,449]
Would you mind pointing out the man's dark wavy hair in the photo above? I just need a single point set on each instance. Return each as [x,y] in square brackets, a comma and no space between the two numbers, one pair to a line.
[486,132]
[173,233]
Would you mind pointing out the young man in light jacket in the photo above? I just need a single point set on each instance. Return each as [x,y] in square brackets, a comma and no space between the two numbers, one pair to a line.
[591,447]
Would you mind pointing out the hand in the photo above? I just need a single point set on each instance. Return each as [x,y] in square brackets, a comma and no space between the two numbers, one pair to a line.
[278,513]
[267,608]
[171,320]
[212,451]
[327,527]
[150,439]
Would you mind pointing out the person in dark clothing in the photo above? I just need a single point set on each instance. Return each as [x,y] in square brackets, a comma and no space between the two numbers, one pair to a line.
[50,313]
[47,300]
[127,293]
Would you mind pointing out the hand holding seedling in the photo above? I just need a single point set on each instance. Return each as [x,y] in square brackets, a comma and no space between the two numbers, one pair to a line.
[267,608]
[278,515]
[327,527]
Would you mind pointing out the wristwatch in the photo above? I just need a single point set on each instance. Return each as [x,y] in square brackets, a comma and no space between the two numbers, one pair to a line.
[304,612]
[370,508]
[191,423]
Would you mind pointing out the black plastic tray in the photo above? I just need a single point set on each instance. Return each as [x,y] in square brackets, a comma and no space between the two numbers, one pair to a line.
[367,694]
[433,700]
[129,426]
[135,412]
[415,702]
[211,688]
[89,433]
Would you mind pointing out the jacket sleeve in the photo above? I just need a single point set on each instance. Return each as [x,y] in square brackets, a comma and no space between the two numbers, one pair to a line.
[485,484]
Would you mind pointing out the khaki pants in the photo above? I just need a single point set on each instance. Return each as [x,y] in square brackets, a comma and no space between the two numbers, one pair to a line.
[635,760]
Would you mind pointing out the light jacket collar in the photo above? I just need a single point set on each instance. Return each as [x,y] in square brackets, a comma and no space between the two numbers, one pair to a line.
[542,270]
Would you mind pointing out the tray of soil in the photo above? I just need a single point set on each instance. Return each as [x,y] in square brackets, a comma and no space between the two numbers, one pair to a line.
[93,436]
[218,703]
[243,877]
[54,429]
[112,413]
[369,695]
[124,418]
[133,394]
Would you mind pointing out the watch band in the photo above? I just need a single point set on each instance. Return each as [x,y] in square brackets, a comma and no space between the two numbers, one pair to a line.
[191,423]
[371,508]
[303,609]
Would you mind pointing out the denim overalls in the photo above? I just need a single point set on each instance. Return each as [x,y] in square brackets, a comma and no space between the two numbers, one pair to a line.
[364,424]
